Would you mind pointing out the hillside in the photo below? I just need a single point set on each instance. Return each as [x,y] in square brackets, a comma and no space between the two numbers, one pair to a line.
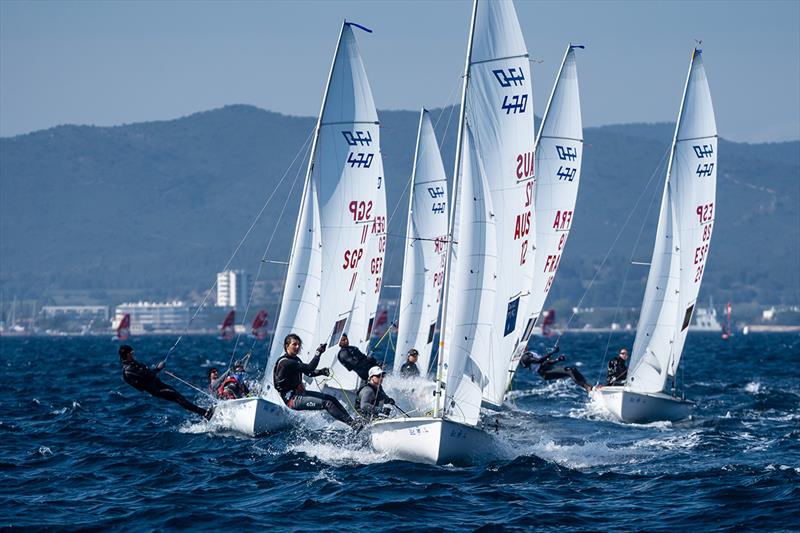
[155,209]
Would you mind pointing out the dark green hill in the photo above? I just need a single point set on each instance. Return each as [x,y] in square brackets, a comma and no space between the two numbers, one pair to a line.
[158,207]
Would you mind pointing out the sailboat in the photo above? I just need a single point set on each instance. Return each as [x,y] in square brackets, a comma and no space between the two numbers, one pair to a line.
[489,247]
[258,330]
[340,217]
[685,225]
[227,329]
[559,157]
[123,329]
[424,259]
[727,331]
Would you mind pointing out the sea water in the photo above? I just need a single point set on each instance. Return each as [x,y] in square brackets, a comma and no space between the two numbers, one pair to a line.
[82,449]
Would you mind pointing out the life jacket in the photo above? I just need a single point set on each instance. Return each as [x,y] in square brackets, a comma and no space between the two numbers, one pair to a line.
[228,394]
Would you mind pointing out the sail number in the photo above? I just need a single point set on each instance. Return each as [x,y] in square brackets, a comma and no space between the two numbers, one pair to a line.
[360,210]
[705,217]
[352,258]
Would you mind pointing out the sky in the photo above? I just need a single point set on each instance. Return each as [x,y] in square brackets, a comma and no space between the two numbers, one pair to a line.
[111,63]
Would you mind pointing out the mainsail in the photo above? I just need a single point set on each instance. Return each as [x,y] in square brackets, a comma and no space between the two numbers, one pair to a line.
[493,217]
[559,154]
[685,225]
[341,206]
[423,264]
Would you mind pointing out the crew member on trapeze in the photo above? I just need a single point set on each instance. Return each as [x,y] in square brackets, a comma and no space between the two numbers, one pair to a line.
[288,380]
[141,378]
[550,370]
[354,359]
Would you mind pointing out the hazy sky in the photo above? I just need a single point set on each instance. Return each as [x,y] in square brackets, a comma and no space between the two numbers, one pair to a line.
[108,63]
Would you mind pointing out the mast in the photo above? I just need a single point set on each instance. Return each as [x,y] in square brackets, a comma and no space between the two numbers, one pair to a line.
[456,172]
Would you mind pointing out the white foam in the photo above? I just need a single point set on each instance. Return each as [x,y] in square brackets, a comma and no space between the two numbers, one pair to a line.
[45,451]
[754,387]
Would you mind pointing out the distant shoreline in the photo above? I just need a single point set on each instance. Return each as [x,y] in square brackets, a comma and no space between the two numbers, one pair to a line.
[757,328]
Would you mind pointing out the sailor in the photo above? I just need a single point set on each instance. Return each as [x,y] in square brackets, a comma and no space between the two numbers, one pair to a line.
[371,396]
[141,378]
[353,359]
[409,368]
[550,370]
[233,385]
[215,380]
[618,368]
[288,380]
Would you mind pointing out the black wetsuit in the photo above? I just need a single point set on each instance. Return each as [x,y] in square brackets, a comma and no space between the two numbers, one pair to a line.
[141,378]
[371,399]
[409,370]
[288,380]
[617,371]
[354,360]
[550,370]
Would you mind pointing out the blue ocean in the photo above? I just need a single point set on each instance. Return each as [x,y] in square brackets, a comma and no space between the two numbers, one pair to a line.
[83,450]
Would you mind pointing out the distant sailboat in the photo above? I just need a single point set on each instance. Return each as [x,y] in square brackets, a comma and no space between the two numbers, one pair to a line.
[123,329]
[488,262]
[341,215]
[727,330]
[424,259]
[227,329]
[259,328]
[685,226]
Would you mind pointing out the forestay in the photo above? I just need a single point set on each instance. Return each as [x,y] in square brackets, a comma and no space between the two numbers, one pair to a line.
[494,266]
[683,237]
[559,154]
[423,264]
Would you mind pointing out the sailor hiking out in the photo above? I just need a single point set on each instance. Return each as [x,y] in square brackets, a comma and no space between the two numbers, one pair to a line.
[288,381]
[141,378]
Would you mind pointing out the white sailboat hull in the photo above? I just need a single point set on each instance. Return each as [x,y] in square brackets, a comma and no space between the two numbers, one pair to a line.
[430,440]
[251,416]
[642,407]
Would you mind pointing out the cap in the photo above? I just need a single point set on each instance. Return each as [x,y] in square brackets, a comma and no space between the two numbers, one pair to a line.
[413,351]
[376,371]
[344,335]
[238,364]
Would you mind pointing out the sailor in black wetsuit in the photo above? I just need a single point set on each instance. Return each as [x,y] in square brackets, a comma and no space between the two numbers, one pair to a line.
[618,369]
[409,368]
[371,396]
[549,370]
[141,378]
[353,359]
[288,380]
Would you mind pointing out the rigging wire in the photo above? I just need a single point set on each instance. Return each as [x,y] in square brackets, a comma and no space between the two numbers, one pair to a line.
[266,251]
[628,268]
[236,250]
[614,243]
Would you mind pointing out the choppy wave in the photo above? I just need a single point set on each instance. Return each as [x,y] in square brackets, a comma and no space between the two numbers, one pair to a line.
[82,449]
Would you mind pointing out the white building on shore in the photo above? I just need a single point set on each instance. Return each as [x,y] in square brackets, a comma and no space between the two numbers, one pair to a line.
[233,289]
[153,316]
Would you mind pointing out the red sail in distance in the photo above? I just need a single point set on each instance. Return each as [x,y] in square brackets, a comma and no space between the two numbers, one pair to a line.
[227,328]
[260,325]
[124,328]
[547,322]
